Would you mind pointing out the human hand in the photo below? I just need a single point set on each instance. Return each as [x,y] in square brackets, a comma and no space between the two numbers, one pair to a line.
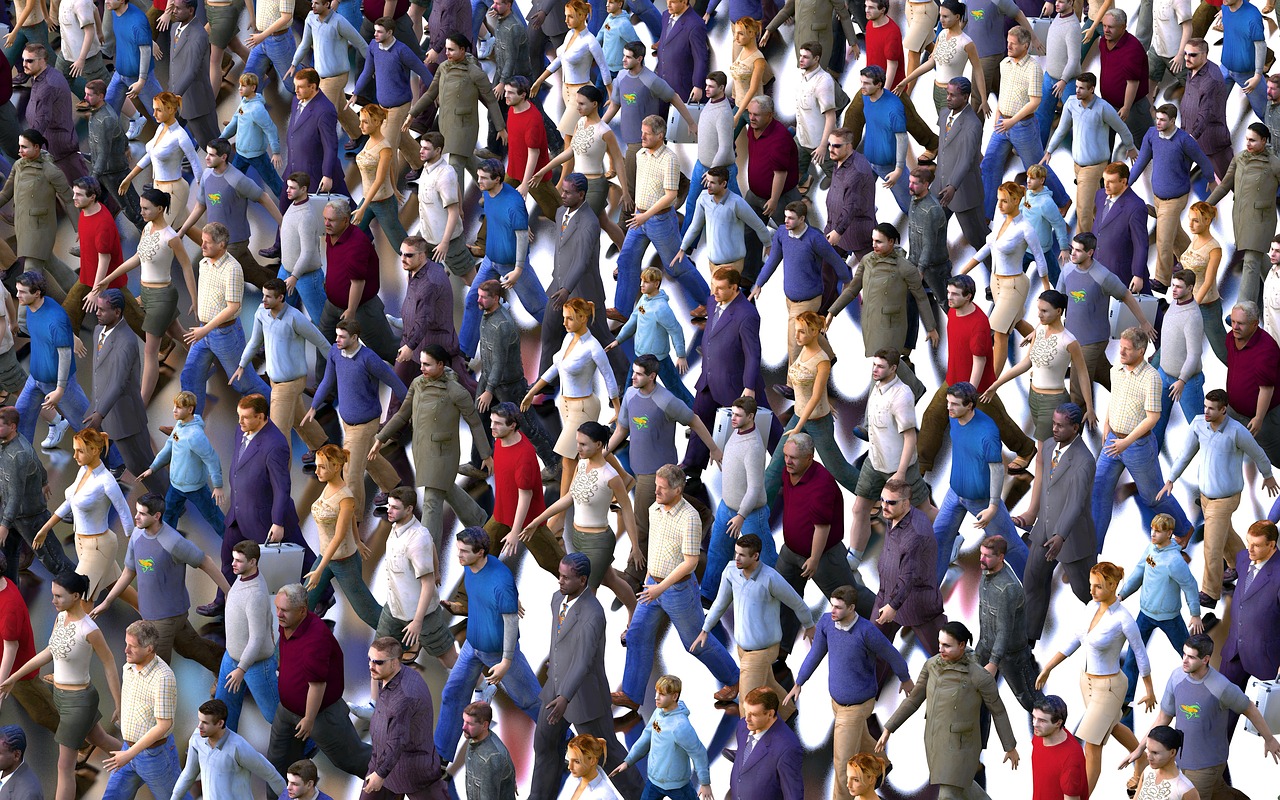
[1115,447]
[810,567]
[985,516]
[892,178]
[1011,756]
[117,759]
[1148,702]
[77,68]
[235,679]
[1270,485]
[326,184]
[649,593]
[1164,491]
[220,496]
[883,741]
[887,614]
[308,417]
[52,399]
[699,642]
[1196,626]
[498,672]
[1042,678]
[483,401]
[235,376]
[195,334]
[372,783]
[1053,547]
[303,729]
[556,708]
[275,535]
[311,580]
[1255,425]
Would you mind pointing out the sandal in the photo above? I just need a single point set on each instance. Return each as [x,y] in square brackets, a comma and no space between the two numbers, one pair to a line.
[1019,465]
[410,656]
[1131,788]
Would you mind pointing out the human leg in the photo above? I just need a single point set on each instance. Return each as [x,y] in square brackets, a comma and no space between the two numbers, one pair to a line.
[849,736]
[350,575]
[642,634]
[455,695]
[993,164]
[946,527]
[1104,487]
[681,604]
[1218,531]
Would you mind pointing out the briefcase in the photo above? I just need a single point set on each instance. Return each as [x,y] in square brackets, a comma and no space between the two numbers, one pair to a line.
[677,129]
[1266,695]
[280,565]
[1122,318]
[723,427]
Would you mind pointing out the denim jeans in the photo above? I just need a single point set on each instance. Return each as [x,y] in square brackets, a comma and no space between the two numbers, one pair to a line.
[1050,105]
[225,345]
[1023,139]
[900,191]
[1257,98]
[652,792]
[720,546]
[530,291]
[308,293]
[663,231]
[175,502]
[1142,459]
[74,404]
[1176,631]
[260,680]
[279,49]
[670,377]
[261,164]
[681,605]
[946,527]
[823,431]
[387,212]
[520,684]
[1191,401]
[120,84]
[350,574]
[696,189]
[651,18]
[157,767]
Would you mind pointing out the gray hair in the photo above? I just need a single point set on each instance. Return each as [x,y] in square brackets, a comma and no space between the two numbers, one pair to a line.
[145,631]
[294,594]
[765,102]
[340,205]
[656,124]
[1249,308]
[673,475]
[803,443]
[1021,34]
[1118,15]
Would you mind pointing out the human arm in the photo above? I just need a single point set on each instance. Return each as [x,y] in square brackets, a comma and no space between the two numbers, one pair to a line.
[127,574]
[191,772]
[99,644]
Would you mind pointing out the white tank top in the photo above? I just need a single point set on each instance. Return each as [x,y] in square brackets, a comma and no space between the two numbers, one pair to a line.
[69,644]
[592,495]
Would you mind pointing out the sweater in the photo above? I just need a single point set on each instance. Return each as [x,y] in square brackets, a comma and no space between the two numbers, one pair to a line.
[804,256]
[250,622]
[358,376]
[715,134]
[1162,573]
[851,677]
[258,133]
[285,338]
[655,327]
[1172,159]
[192,461]
[1182,340]
[392,66]
[329,38]
[1062,48]
[742,486]
[300,237]
[670,742]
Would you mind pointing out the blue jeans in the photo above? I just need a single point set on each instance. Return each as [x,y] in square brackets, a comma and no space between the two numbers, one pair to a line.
[651,792]
[1191,401]
[679,603]
[1257,98]
[823,431]
[664,232]
[1050,105]
[696,189]
[157,767]
[225,345]
[175,502]
[308,294]
[350,574]
[900,191]
[1142,459]
[530,291]
[649,15]
[387,212]
[1023,139]
[946,527]
[279,49]
[260,680]
[120,84]
[261,164]
[720,547]
[520,684]
[1176,631]
[73,406]
[670,377]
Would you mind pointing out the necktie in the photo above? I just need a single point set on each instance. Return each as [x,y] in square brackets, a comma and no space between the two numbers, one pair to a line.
[244,444]
[751,745]
[715,317]
[1106,209]
[564,610]
[1248,580]
[951,118]
[102,338]
[672,24]
[1057,454]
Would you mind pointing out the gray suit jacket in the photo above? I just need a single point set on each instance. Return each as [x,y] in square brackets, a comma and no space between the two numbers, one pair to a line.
[189,60]
[576,663]
[117,382]
[577,258]
[22,785]
[1064,505]
[959,157]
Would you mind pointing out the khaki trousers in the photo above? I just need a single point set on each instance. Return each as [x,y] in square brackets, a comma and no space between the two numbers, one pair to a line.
[849,737]
[1171,238]
[1088,181]
[36,699]
[335,89]
[756,670]
[1210,784]
[176,633]
[357,439]
[287,410]
[1218,535]
[1095,360]
[397,139]
[794,309]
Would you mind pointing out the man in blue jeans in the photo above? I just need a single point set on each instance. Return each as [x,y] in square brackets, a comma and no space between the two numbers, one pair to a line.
[272,40]
[1244,52]
[885,145]
[51,382]
[1181,343]
[493,641]
[134,73]
[249,663]
[977,476]
[506,230]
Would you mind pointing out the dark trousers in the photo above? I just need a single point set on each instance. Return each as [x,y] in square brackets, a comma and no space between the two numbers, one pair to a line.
[550,743]
[375,331]
[1038,583]
[833,572]
[111,183]
[1176,632]
[926,634]
[51,554]
[332,732]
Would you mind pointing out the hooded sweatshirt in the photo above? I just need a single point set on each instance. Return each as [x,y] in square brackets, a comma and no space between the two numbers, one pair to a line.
[655,327]
[1163,574]
[193,462]
[670,741]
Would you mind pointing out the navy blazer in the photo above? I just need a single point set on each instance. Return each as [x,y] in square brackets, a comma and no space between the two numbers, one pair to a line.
[773,771]
[1254,637]
[1122,235]
[683,53]
[313,143]
[260,485]
[731,351]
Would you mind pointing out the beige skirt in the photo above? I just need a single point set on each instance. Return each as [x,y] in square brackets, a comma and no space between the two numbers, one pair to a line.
[1009,292]
[97,555]
[569,119]
[922,20]
[572,414]
[1103,706]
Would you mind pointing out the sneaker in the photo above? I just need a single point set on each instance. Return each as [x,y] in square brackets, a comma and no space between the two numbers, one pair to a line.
[361,710]
[135,127]
[485,692]
[396,323]
[56,431]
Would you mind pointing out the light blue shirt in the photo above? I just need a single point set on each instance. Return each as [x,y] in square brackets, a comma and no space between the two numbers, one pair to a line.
[1221,469]
[330,38]
[726,223]
[757,606]
[1088,129]
[1047,220]
[1163,574]
[226,769]
[254,131]
[285,340]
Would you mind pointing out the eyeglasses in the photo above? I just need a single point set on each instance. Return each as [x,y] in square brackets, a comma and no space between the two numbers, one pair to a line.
[884,501]
[29,60]
[377,662]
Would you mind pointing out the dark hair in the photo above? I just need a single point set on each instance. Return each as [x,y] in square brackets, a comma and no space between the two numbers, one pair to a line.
[89,185]
[845,594]
[592,94]
[1217,397]
[493,287]
[1086,240]
[406,496]
[350,326]
[9,416]
[959,9]
[301,178]
[157,198]
[114,298]
[750,542]
[815,47]
[220,146]
[214,708]
[595,431]
[1052,705]
[1171,738]
[580,563]
[437,353]
[460,40]
[961,82]
[1072,412]
[493,167]
[34,136]
[718,77]
[967,286]
[1169,110]
[1201,643]
[508,413]
[73,582]
[958,631]
[890,354]
[747,404]
[480,711]
[389,645]
[1087,78]
[248,548]
[275,286]
[304,768]
[1054,298]
[965,392]
[719,173]
[255,403]
[647,362]
[578,180]
[1262,130]
[875,73]
[888,231]
[14,738]
[996,544]
[474,537]
[634,49]
[152,502]
[798,207]
[521,85]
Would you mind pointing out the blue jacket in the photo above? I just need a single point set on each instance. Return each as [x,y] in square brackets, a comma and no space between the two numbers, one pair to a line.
[254,132]
[192,461]
[670,741]
[1163,573]
[655,327]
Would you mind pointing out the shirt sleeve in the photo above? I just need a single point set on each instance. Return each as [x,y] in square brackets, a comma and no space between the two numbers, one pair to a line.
[185,550]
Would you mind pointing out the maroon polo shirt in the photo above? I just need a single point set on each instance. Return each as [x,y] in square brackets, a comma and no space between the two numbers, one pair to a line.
[1249,368]
[311,655]
[351,258]
[813,500]
[1126,62]
[775,150]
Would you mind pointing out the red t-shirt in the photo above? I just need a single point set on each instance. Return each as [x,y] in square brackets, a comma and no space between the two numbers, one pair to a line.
[99,234]
[1058,771]
[525,130]
[968,336]
[15,626]
[884,44]
[516,467]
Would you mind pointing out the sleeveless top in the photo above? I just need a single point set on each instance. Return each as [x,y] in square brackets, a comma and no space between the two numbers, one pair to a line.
[1152,788]
[949,57]
[69,645]
[367,160]
[740,71]
[154,254]
[801,376]
[592,495]
[1198,261]
[589,147]
[1050,359]
[325,512]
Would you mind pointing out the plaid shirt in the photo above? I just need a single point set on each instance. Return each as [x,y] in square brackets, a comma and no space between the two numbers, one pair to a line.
[656,174]
[1134,393]
[221,282]
[1019,82]
[149,693]
[673,534]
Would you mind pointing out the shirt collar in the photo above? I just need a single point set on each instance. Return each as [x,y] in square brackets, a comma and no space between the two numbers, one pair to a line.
[352,354]
[846,627]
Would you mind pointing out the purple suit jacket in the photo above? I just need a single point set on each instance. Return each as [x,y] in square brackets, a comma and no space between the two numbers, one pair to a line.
[773,770]
[313,143]
[260,486]
[731,351]
[683,53]
[1122,235]
[1254,637]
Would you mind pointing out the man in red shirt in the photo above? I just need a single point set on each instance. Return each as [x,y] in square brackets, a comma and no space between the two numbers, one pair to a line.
[15,632]
[1124,62]
[527,149]
[100,253]
[969,358]
[1253,372]
[1057,760]
[770,151]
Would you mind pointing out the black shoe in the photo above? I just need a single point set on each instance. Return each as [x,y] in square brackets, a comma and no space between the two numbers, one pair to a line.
[1229,575]
[729,754]
[213,609]
[1210,621]
[270,252]
[357,145]
[411,177]
[787,392]
[1207,602]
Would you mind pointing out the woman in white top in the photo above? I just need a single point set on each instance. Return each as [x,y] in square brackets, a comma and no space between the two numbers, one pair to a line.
[862,774]
[580,358]
[1053,349]
[72,643]
[164,154]
[157,249]
[597,481]
[1203,256]
[1009,284]
[583,756]
[580,50]
[953,50]
[90,499]
[1102,683]
[1162,780]
[592,140]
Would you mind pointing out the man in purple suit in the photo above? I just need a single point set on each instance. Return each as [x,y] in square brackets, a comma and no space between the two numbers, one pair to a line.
[1252,648]
[1121,227]
[769,759]
[730,361]
[261,510]
[683,50]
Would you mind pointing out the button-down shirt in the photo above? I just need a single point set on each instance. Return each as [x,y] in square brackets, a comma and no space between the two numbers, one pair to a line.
[657,172]
[438,189]
[49,111]
[927,232]
[1088,126]
[757,606]
[851,203]
[511,49]
[221,283]
[148,694]
[1019,82]
[225,769]
[1001,615]
[1204,108]
[498,351]
[1221,474]
[108,146]
[404,750]
[285,339]
[673,534]
[427,311]
[1134,393]
[726,221]
[908,571]
[22,481]
[891,412]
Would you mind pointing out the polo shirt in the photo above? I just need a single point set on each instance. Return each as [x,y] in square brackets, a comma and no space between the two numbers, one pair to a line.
[515,467]
[161,562]
[636,97]
[813,500]
[226,200]
[506,214]
[885,119]
[1125,62]
[1249,368]
[974,446]
[1134,393]
[884,44]
[99,234]
[969,336]
[1240,29]
[493,593]
[350,258]
[773,151]
[311,655]
[49,328]
[651,421]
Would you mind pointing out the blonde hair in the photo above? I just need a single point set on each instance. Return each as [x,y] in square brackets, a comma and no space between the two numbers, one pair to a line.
[184,400]
[1207,212]
[92,439]
[1111,573]
[588,747]
[579,8]
[249,79]
[334,456]
[168,100]
[1014,191]
[582,308]
[870,765]
[751,26]
[1162,522]
[811,320]
[669,684]
[375,114]
[651,274]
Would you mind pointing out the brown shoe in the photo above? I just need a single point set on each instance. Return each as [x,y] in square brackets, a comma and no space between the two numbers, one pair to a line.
[726,694]
[698,313]
[615,315]
[621,700]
